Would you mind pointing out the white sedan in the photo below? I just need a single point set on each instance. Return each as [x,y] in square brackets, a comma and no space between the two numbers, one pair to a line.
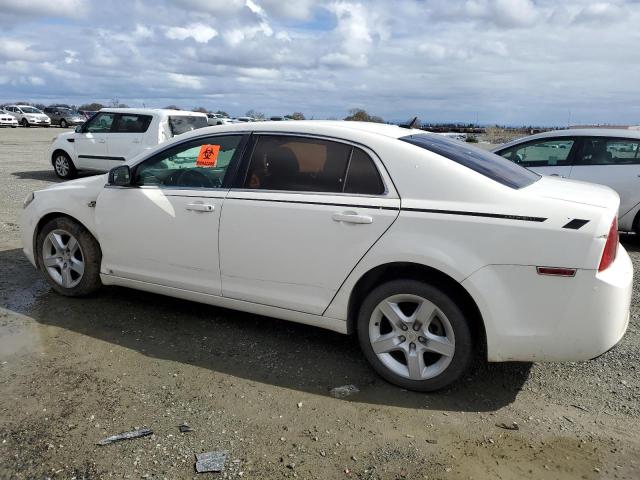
[429,250]
[7,120]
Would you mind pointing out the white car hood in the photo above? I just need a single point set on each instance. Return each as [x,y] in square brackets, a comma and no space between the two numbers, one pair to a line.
[87,185]
[575,191]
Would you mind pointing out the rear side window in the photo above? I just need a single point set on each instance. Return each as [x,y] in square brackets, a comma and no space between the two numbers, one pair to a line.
[130,123]
[485,163]
[302,164]
[541,153]
[609,151]
[185,123]
[362,175]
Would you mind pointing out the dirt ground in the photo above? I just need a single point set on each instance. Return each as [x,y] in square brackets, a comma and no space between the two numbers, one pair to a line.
[73,371]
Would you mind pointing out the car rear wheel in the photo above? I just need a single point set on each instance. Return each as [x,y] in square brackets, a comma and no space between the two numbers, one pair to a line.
[25,123]
[63,166]
[63,123]
[414,335]
[69,256]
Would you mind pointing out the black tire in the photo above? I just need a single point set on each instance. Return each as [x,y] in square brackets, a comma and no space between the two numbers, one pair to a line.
[91,254]
[63,123]
[25,123]
[63,166]
[464,347]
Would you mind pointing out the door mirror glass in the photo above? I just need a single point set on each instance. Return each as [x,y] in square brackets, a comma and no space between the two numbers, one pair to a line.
[79,129]
[120,176]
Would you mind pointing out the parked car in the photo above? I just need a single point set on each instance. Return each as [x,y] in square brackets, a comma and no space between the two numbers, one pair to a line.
[245,119]
[87,114]
[7,120]
[28,116]
[605,156]
[115,135]
[64,116]
[429,250]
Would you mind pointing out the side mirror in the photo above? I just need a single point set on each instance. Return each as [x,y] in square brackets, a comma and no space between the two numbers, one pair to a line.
[120,176]
[79,129]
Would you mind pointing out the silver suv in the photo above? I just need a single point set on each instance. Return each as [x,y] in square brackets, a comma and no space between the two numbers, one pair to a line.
[28,116]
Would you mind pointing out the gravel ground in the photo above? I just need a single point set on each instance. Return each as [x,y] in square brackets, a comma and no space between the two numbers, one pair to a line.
[73,371]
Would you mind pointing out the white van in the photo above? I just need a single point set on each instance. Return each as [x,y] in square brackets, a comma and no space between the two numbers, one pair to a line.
[114,135]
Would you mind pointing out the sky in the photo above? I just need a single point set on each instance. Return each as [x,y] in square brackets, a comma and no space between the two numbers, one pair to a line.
[514,62]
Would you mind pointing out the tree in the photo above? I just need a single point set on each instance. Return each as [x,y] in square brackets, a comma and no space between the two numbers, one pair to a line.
[360,115]
[92,107]
[172,107]
[296,116]
[223,113]
[200,109]
[253,114]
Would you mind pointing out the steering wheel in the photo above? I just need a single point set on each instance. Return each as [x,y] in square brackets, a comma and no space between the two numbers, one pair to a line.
[192,178]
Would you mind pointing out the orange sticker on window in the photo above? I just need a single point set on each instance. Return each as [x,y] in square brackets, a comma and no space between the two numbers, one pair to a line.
[208,156]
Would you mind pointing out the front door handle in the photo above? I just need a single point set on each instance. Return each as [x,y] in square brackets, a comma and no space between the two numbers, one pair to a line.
[137,140]
[101,140]
[557,175]
[201,207]
[351,217]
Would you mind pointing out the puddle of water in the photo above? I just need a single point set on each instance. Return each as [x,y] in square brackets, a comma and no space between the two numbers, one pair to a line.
[18,335]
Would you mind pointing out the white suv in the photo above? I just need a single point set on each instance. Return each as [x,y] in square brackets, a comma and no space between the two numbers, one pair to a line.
[28,116]
[114,135]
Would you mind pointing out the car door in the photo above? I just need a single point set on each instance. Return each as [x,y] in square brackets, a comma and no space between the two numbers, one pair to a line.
[546,156]
[614,162]
[164,229]
[127,134]
[302,214]
[91,143]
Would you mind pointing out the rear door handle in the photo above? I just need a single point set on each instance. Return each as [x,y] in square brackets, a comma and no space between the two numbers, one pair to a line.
[200,207]
[557,175]
[101,140]
[351,217]
[137,140]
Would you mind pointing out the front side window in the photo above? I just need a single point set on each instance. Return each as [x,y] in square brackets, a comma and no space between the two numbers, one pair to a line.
[608,151]
[542,153]
[180,124]
[101,123]
[201,163]
[130,123]
[485,163]
[301,164]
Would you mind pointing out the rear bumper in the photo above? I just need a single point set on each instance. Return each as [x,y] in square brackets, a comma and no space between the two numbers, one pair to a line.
[531,317]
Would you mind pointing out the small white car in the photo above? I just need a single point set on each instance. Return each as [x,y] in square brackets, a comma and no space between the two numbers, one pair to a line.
[7,120]
[429,250]
[28,116]
[606,156]
[114,135]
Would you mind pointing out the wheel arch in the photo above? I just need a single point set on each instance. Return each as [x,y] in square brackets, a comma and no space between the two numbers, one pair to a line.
[47,218]
[410,270]
[58,151]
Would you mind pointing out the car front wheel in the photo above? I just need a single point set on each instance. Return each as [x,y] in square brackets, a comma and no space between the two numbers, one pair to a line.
[63,166]
[25,123]
[414,335]
[63,123]
[69,256]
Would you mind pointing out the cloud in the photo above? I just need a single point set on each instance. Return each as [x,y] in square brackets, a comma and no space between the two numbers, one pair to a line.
[44,8]
[185,81]
[199,32]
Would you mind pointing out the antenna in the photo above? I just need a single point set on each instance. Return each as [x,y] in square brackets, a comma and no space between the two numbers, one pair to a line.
[412,124]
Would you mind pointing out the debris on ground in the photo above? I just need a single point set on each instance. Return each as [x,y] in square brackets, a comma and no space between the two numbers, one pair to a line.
[513,426]
[126,436]
[343,391]
[580,407]
[210,461]
[184,428]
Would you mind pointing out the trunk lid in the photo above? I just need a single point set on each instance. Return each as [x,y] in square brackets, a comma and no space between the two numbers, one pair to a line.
[576,192]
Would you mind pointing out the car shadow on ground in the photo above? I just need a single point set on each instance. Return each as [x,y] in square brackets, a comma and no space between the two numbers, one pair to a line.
[630,241]
[46,175]
[253,347]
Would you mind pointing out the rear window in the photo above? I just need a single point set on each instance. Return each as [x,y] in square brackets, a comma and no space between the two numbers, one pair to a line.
[184,123]
[485,163]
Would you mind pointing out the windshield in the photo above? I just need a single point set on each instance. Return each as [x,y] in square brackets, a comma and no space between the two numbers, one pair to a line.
[184,123]
[68,111]
[485,163]
[30,110]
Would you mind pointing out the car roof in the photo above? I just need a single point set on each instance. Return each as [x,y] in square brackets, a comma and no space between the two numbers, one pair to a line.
[313,127]
[577,132]
[151,111]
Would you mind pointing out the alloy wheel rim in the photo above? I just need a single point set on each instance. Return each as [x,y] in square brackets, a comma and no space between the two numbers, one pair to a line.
[412,337]
[62,166]
[63,258]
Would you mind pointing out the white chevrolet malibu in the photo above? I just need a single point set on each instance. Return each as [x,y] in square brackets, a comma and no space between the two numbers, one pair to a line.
[427,249]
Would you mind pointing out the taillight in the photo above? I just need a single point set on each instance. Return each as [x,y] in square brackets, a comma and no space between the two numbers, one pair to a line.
[610,248]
